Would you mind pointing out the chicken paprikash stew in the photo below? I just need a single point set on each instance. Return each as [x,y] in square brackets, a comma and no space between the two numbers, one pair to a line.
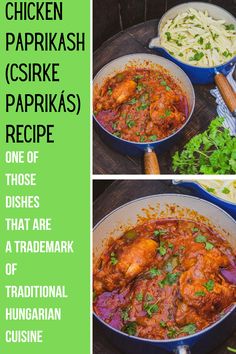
[162,279]
[141,105]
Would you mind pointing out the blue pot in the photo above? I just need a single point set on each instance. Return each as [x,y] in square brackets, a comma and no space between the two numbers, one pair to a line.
[198,75]
[142,60]
[174,205]
[203,193]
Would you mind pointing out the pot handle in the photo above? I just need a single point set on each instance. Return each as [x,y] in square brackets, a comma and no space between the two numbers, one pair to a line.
[182,349]
[228,94]
[151,165]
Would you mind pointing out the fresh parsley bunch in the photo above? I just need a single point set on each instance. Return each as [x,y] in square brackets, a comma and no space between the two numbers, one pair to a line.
[212,152]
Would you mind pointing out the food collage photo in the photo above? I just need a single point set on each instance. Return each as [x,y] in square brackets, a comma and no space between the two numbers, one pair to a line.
[164,185]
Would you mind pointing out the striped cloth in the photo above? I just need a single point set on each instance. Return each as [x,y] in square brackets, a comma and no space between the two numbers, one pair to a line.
[222,110]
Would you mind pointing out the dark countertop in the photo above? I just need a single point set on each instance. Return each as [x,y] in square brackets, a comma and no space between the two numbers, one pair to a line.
[135,40]
[118,193]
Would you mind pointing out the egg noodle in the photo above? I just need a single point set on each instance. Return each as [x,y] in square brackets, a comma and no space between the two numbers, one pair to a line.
[223,189]
[196,38]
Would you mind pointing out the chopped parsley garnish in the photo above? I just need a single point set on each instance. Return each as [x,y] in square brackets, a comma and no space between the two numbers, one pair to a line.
[170,279]
[154,272]
[203,239]
[195,229]
[149,298]
[114,125]
[230,27]
[197,56]
[130,328]
[210,190]
[181,55]
[150,309]
[118,134]
[209,285]
[227,53]
[208,45]
[162,248]
[139,297]
[142,107]
[200,239]
[168,36]
[163,324]
[142,138]
[139,86]
[163,83]
[200,293]
[200,40]
[125,314]
[153,137]
[225,190]
[209,246]
[109,91]
[189,329]
[138,77]
[130,123]
[133,101]
[172,332]
[113,258]
[170,245]
[159,232]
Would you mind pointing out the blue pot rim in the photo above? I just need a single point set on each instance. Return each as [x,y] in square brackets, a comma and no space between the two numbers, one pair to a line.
[206,191]
[181,339]
[188,5]
[149,144]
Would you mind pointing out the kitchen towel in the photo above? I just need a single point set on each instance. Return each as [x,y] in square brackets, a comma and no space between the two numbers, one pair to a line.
[222,110]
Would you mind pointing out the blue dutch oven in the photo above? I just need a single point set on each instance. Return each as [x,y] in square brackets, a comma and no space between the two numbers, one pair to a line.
[203,193]
[142,60]
[185,207]
[198,75]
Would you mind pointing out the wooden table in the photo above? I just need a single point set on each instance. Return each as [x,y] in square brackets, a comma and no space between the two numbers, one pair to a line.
[120,192]
[135,40]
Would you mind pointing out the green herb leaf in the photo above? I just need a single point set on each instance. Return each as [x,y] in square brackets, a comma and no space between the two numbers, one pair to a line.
[210,190]
[181,55]
[113,258]
[142,107]
[137,77]
[130,328]
[209,285]
[200,40]
[230,27]
[163,324]
[153,137]
[197,56]
[130,123]
[209,246]
[200,239]
[109,91]
[208,45]
[225,190]
[153,272]
[118,134]
[195,229]
[139,297]
[189,329]
[168,36]
[200,293]
[150,309]
[231,349]
[162,249]
[172,332]
[125,314]
[133,101]
[160,232]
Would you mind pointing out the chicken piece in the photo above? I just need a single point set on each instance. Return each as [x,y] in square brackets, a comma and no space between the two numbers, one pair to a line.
[186,314]
[123,91]
[193,284]
[131,261]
